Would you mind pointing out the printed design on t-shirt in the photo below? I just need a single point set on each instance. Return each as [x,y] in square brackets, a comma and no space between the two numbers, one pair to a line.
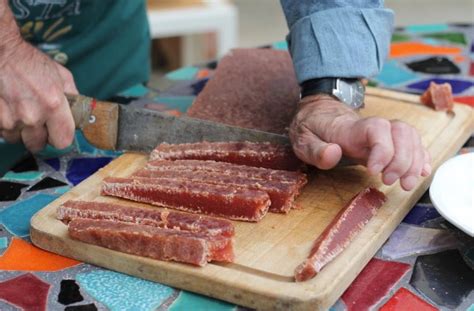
[49,25]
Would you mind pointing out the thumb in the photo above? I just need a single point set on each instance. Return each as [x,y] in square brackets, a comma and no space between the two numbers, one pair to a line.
[311,149]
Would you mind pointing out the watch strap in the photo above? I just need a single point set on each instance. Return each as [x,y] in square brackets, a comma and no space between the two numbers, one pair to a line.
[318,86]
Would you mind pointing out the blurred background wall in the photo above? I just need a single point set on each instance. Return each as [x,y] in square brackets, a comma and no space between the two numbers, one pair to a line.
[252,23]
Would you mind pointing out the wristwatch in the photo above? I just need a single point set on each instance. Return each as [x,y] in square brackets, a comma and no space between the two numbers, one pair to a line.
[349,91]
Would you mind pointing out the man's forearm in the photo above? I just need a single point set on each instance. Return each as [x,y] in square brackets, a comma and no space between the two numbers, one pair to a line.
[9,32]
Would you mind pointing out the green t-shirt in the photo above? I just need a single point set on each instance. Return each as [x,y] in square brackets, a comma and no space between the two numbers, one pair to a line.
[105,43]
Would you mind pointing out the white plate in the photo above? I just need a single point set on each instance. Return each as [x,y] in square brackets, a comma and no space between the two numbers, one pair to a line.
[452,191]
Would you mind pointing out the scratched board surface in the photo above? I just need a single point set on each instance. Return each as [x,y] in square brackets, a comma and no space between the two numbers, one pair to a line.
[268,252]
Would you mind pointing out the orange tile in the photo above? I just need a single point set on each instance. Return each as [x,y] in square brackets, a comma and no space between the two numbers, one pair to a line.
[23,256]
[459,58]
[174,112]
[203,73]
[402,49]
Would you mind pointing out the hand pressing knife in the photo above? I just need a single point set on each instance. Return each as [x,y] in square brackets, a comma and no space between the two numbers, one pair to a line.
[119,127]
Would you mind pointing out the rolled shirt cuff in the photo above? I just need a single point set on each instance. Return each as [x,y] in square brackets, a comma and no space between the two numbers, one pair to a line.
[341,42]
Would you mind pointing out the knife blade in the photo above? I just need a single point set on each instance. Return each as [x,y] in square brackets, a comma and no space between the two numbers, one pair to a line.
[112,126]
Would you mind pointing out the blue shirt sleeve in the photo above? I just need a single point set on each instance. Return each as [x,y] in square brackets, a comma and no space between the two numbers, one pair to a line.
[337,38]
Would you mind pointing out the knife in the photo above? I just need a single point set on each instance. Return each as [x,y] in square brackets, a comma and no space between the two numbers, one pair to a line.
[112,126]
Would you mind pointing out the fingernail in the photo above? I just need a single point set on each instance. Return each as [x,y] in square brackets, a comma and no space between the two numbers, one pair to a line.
[409,182]
[390,178]
[375,169]
[427,169]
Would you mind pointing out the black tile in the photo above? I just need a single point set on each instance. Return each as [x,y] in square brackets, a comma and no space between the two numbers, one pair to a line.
[89,307]
[444,278]
[47,183]
[10,191]
[435,65]
[26,165]
[69,293]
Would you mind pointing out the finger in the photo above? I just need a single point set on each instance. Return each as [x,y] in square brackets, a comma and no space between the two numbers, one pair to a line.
[11,136]
[68,80]
[409,179]
[34,138]
[6,117]
[311,149]
[379,138]
[427,164]
[60,126]
[403,153]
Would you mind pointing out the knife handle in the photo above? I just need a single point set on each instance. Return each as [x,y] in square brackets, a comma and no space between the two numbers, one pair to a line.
[98,120]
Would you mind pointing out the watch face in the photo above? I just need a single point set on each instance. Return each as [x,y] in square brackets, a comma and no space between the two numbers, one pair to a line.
[351,92]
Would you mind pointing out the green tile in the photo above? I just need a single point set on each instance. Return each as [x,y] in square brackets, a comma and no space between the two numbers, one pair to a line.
[397,37]
[10,155]
[453,37]
[195,302]
[24,176]
[185,73]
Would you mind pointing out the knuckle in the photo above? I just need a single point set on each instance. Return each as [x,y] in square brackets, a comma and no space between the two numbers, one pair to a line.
[54,102]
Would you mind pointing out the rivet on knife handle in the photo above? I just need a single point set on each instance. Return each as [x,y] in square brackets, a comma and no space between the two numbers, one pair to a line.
[97,120]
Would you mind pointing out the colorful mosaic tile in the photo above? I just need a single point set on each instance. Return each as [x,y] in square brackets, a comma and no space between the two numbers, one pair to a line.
[26,291]
[409,240]
[404,300]
[393,73]
[421,213]
[135,91]
[373,284]
[195,302]
[54,163]
[3,242]
[16,217]
[10,155]
[405,49]
[10,191]
[24,176]
[434,65]
[69,293]
[444,278]
[23,256]
[88,307]
[81,168]
[26,165]
[451,37]
[426,28]
[457,85]
[46,183]
[185,73]
[181,103]
[119,291]
[468,100]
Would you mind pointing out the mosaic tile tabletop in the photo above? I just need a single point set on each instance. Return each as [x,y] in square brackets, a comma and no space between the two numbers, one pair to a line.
[426,264]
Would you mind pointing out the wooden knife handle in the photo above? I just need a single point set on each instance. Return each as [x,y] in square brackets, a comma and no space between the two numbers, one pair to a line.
[98,120]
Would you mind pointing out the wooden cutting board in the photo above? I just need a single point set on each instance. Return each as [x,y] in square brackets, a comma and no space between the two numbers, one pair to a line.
[268,252]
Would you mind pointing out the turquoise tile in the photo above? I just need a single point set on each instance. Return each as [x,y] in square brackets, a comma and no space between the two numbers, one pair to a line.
[393,73]
[138,90]
[185,73]
[122,292]
[10,154]
[3,242]
[16,217]
[24,176]
[51,152]
[195,302]
[281,45]
[82,145]
[181,103]
[426,28]
[62,190]
[471,308]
